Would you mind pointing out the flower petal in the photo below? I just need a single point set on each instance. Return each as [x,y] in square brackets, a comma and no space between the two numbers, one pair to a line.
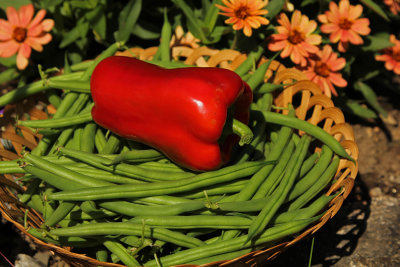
[12,16]
[287,50]
[361,26]
[34,44]
[22,62]
[277,46]
[329,28]
[5,27]
[25,50]
[38,18]
[9,48]
[26,15]
[47,24]
[355,12]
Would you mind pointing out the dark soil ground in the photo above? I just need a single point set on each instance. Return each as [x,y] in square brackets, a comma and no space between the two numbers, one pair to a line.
[365,232]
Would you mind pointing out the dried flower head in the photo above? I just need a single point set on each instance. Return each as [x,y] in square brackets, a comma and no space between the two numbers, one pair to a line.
[244,14]
[21,33]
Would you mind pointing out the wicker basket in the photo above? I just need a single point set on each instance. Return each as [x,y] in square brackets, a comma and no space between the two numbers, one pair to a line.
[306,96]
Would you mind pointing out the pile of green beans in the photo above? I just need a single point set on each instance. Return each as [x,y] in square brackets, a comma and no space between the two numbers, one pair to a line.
[126,203]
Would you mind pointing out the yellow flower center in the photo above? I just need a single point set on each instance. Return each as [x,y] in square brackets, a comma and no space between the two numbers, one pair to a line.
[242,12]
[296,37]
[345,24]
[19,34]
[322,69]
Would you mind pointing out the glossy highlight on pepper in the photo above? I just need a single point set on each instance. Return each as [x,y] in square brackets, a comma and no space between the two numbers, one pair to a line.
[181,112]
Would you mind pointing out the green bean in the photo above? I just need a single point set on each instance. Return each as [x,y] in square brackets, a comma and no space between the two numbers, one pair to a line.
[166,33]
[77,138]
[36,203]
[33,88]
[259,75]
[259,177]
[136,156]
[250,61]
[79,215]
[80,66]
[279,196]
[309,163]
[266,187]
[48,204]
[154,165]
[31,190]
[317,186]
[88,137]
[61,171]
[131,209]
[58,123]
[315,131]
[53,98]
[303,213]
[220,189]
[226,246]
[202,180]
[104,175]
[307,181]
[194,221]
[120,251]
[60,213]
[100,162]
[100,140]
[268,88]
[70,85]
[65,105]
[122,228]
[112,145]
[248,149]
[221,257]
[102,255]
[242,206]
[162,200]
[74,241]
[106,53]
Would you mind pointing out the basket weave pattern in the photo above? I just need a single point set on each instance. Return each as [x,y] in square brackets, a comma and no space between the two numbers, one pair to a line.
[311,105]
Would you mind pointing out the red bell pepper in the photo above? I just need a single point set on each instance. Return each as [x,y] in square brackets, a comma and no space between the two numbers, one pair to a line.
[181,112]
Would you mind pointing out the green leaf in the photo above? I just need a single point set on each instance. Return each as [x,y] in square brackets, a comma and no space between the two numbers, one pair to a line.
[15,3]
[144,33]
[360,111]
[216,34]
[377,42]
[8,75]
[274,7]
[211,17]
[193,23]
[375,8]
[127,19]
[97,20]
[370,97]
[80,31]
[8,61]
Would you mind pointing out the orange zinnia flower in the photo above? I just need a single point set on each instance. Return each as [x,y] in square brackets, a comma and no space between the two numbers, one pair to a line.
[244,14]
[295,38]
[21,33]
[323,70]
[391,56]
[344,25]
[394,6]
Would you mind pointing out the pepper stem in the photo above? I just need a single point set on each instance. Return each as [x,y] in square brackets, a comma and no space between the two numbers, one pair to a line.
[243,131]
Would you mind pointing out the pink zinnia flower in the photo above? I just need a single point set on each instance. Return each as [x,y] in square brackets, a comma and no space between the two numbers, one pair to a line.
[323,70]
[344,25]
[295,38]
[21,33]
[244,14]
[391,56]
